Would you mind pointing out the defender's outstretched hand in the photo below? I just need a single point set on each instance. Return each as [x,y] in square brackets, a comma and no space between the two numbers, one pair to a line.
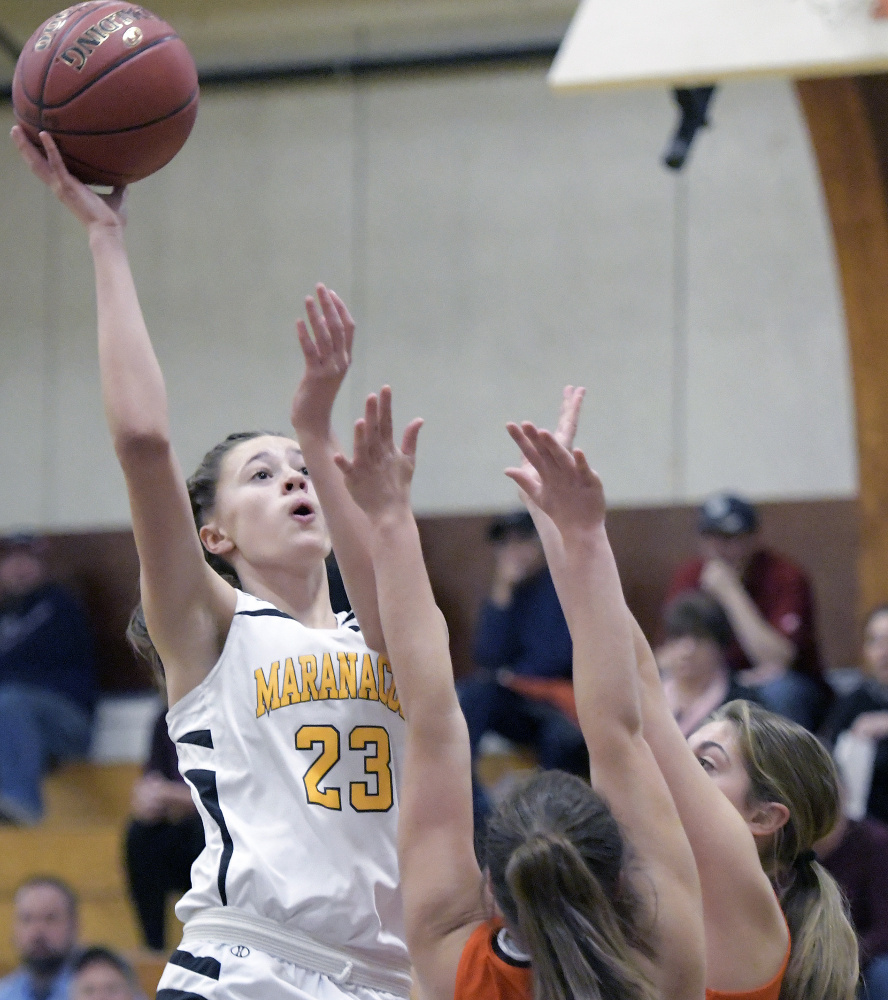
[327,350]
[92,209]
[558,481]
[379,475]
[565,430]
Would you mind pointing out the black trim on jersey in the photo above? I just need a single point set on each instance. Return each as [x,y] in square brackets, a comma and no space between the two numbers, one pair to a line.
[203,965]
[498,951]
[169,994]
[205,783]
[199,738]
[351,622]
[267,613]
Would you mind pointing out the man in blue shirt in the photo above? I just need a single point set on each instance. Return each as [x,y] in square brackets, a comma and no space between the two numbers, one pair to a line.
[45,936]
[524,652]
[47,677]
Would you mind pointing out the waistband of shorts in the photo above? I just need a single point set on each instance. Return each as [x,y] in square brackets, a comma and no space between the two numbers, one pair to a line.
[226,925]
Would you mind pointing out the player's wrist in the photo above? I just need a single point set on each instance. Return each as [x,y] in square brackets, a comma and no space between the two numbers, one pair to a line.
[105,235]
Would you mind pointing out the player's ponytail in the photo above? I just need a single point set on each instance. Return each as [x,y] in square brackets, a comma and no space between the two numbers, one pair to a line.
[787,764]
[202,488]
[556,861]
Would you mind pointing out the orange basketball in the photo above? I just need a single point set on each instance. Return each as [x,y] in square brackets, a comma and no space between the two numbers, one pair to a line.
[114,85]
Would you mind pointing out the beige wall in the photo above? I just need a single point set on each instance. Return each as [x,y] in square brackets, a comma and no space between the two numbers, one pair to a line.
[496,242]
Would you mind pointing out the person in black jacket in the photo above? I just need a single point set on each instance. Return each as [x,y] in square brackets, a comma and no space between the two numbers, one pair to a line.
[164,837]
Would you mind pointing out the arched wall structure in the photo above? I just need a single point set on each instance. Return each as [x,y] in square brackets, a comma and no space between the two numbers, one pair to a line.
[848,123]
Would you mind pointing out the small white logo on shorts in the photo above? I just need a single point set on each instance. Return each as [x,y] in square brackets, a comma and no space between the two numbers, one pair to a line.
[239,950]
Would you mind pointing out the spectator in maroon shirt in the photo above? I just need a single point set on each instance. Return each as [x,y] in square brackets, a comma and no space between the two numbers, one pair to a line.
[856,854]
[769,603]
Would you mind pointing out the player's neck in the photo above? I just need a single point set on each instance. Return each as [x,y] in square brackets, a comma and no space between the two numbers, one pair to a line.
[306,597]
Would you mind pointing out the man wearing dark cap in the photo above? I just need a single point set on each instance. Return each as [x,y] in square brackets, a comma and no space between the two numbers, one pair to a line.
[769,603]
[523,690]
[47,677]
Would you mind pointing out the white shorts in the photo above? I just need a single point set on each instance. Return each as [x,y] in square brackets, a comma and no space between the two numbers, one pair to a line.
[214,971]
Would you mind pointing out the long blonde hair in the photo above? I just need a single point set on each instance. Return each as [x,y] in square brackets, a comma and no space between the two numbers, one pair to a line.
[789,765]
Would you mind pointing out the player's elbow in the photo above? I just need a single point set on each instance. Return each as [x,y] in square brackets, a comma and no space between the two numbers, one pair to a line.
[137,445]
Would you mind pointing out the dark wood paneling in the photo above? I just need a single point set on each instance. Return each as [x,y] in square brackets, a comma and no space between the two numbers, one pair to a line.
[821,535]
[649,543]
[102,567]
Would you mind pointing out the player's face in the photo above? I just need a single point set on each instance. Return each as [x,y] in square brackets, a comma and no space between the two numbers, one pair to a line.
[715,746]
[875,647]
[267,505]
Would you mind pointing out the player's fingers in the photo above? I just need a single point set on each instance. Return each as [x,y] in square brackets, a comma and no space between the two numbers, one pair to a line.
[411,435]
[371,419]
[342,463]
[386,428]
[117,198]
[524,480]
[348,323]
[318,326]
[528,450]
[54,157]
[30,153]
[309,349]
[585,470]
[361,446]
[331,317]
[552,450]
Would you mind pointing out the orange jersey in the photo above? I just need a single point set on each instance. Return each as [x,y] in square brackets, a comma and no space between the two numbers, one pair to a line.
[770,991]
[486,973]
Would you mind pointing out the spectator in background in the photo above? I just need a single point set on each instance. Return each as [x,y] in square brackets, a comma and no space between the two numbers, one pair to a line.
[769,604]
[101,974]
[47,677]
[164,837]
[863,715]
[44,932]
[856,854]
[523,690]
[696,676]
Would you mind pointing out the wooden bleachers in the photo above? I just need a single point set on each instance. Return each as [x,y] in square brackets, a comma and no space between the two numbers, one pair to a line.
[81,841]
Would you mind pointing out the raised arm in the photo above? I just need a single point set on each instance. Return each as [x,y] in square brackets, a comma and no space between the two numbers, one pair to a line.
[746,936]
[327,350]
[188,608]
[561,484]
[440,879]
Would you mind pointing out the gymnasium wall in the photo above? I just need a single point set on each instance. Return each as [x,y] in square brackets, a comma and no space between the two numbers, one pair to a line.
[494,242]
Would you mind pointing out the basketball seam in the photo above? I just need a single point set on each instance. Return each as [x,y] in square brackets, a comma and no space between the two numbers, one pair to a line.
[38,101]
[134,128]
[110,69]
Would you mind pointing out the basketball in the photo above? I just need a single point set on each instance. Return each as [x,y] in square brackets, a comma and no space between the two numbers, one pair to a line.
[113,84]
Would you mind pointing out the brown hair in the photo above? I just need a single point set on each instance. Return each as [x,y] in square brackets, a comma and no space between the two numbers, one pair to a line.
[557,864]
[789,765]
[202,488]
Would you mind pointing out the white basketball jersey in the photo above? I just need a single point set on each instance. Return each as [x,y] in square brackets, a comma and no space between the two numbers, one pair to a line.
[292,746]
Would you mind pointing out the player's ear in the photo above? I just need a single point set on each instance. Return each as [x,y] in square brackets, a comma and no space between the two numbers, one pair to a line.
[215,539]
[768,818]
